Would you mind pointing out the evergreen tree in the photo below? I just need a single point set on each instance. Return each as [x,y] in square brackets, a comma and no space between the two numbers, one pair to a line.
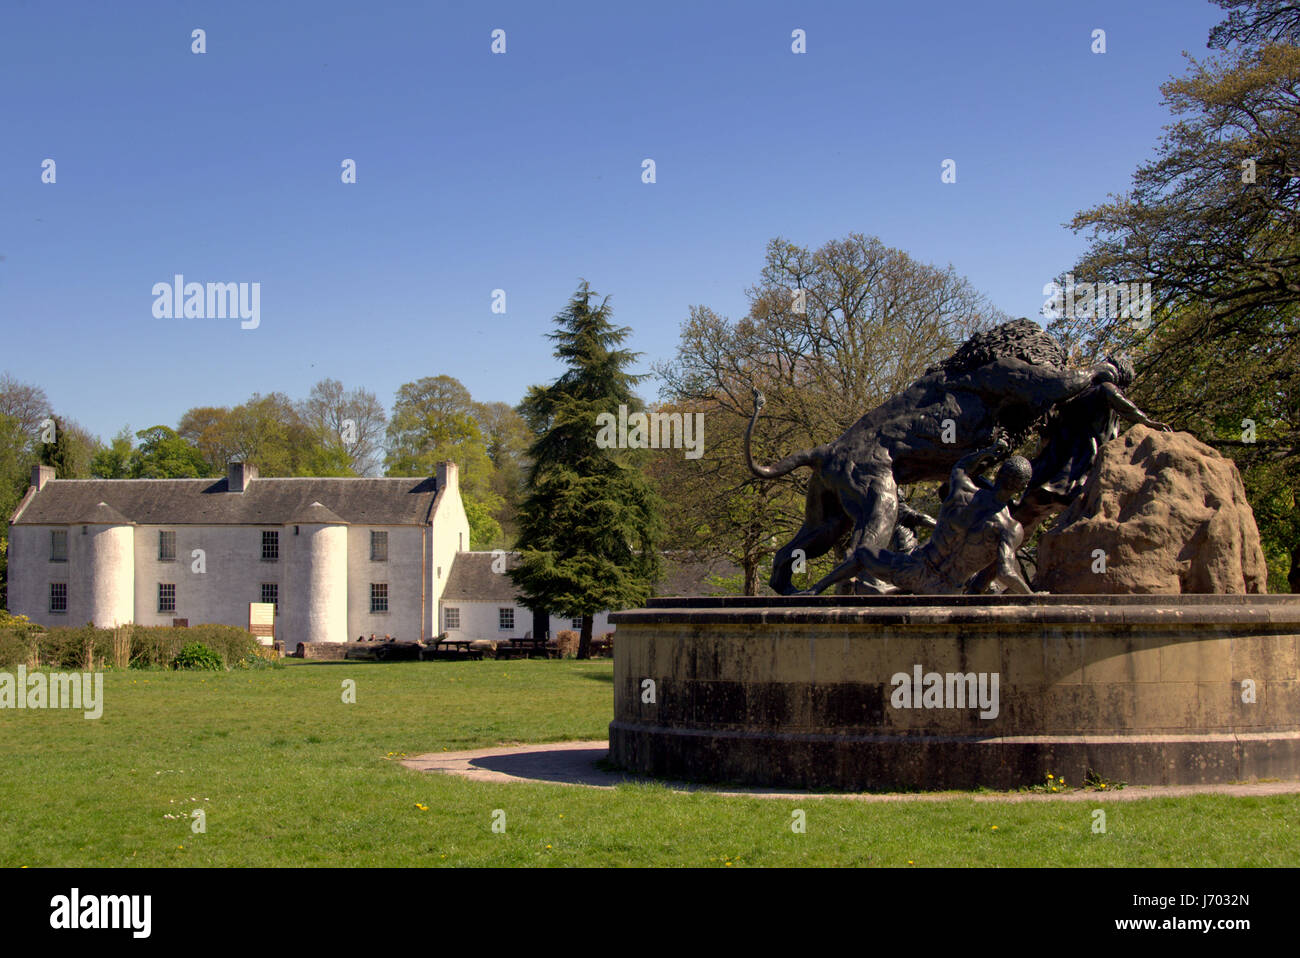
[590,523]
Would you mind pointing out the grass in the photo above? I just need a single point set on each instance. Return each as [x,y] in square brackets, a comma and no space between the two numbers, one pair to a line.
[287,774]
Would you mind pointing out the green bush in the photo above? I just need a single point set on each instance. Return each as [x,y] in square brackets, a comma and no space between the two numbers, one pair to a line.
[196,655]
[158,646]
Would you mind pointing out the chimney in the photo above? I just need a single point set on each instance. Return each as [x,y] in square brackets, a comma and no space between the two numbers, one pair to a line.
[448,475]
[41,475]
[239,475]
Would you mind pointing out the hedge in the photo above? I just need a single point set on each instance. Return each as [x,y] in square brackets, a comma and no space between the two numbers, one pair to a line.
[89,648]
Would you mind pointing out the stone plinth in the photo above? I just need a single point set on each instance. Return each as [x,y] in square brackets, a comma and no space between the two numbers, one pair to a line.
[800,692]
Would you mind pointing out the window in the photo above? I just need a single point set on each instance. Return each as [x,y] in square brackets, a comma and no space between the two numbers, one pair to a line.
[378,546]
[271,546]
[271,593]
[577,623]
[166,596]
[451,618]
[166,546]
[378,597]
[506,620]
[59,545]
[58,597]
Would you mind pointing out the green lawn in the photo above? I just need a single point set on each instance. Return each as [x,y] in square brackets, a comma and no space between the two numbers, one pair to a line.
[288,774]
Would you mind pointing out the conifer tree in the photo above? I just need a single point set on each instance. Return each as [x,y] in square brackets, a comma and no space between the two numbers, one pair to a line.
[590,521]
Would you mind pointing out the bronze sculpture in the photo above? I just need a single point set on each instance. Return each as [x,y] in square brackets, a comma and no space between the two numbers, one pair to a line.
[974,542]
[1002,381]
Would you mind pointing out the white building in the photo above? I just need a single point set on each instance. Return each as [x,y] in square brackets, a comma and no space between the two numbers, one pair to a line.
[339,558]
[481,602]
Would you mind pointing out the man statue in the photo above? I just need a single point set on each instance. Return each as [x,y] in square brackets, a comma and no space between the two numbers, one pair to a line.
[974,542]
[1075,431]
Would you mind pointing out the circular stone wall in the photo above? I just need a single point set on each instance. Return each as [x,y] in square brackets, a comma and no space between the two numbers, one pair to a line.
[920,692]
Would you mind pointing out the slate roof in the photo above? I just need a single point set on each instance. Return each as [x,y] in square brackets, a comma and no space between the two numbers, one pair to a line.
[206,501]
[471,578]
[102,514]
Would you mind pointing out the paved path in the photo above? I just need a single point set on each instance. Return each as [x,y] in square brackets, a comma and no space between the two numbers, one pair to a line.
[574,763]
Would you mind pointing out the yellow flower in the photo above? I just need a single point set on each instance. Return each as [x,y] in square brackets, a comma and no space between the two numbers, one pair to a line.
[1053,788]
[423,808]
[728,864]
[910,862]
[1050,775]
[995,828]
[1103,784]
[548,846]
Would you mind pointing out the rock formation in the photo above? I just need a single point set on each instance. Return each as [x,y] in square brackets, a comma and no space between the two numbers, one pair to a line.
[1168,514]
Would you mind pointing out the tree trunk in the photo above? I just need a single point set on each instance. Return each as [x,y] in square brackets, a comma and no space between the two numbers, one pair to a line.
[584,641]
[751,575]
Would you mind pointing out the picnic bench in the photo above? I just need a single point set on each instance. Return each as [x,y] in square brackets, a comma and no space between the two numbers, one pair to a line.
[522,648]
[445,648]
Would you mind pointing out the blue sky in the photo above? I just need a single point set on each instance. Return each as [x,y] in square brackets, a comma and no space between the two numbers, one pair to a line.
[522,172]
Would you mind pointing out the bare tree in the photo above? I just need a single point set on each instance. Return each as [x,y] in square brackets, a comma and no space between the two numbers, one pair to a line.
[355,418]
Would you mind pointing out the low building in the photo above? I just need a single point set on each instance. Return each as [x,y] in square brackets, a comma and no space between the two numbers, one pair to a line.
[338,558]
[480,601]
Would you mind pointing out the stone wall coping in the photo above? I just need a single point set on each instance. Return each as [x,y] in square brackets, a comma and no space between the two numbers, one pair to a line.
[1273,611]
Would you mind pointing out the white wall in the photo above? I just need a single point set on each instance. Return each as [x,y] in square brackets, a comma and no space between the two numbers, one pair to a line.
[479,620]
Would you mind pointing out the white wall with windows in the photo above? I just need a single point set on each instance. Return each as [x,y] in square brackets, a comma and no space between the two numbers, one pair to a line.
[472,619]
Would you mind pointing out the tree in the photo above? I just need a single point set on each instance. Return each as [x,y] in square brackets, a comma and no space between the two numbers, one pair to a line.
[1257,22]
[590,523]
[435,419]
[506,438]
[1211,223]
[351,419]
[163,454]
[205,428]
[830,333]
[117,459]
[71,452]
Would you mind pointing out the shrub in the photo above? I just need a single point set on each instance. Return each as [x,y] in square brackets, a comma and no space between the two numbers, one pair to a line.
[158,646]
[196,655]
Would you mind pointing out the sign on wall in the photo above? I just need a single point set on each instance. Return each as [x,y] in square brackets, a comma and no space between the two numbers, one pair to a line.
[261,621]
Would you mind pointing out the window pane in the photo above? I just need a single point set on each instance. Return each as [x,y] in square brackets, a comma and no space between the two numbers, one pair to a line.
[270,546]
[59,545]
[166,546]
[451,618]
[271,593]
[505,619]
[58,597]
[166,597]
[378,546]
[379,597]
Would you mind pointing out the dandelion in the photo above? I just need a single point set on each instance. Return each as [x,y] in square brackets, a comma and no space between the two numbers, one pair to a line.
[1050,775]
[1103,784]
[548,846]
[995,828]
[423,808]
